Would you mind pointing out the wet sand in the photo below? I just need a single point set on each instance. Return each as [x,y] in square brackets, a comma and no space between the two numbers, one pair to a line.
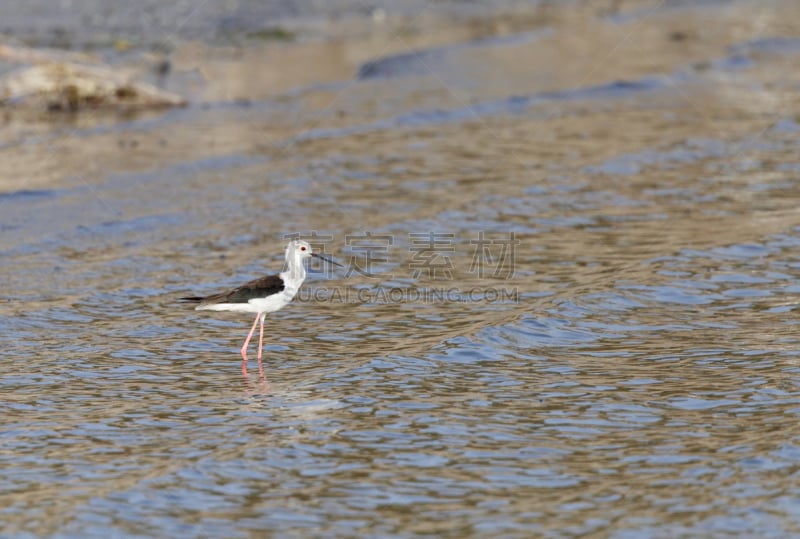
[638,378]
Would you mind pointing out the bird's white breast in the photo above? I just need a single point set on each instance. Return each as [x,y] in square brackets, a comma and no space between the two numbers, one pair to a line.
[274,302]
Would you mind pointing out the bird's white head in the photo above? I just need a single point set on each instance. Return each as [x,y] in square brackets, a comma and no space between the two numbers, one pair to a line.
[298,249]
[296,252]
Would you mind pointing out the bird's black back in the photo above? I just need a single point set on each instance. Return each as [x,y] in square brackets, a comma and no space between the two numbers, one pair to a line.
[258,288]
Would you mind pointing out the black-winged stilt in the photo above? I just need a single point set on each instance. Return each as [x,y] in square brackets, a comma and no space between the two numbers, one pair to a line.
[264,295]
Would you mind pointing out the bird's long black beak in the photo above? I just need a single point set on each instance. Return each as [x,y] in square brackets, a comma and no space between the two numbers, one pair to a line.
[328,260]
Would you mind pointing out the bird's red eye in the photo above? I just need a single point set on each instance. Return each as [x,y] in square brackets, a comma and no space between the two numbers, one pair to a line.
[302,248]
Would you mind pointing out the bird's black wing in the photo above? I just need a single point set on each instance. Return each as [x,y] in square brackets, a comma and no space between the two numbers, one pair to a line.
[258,288]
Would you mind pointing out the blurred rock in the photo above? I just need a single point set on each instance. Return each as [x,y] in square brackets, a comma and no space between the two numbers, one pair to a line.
[53,79]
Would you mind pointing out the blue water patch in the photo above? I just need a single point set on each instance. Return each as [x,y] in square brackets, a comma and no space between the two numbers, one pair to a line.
[690,151]
[191,168]
[512,105]
[137,224]
[411,63]
[515,105]
[21,207]
[426,61]
[640,14]
[111,208]
[676,294]
[788,167]
[612,90]
[786,125]
[741,55]
[734,62]
[768,45]
[27,194]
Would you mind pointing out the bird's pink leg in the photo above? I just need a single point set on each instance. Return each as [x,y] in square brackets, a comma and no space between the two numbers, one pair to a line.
[246,343]
[261,345]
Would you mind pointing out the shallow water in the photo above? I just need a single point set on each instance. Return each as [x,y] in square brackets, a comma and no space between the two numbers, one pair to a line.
[632,371]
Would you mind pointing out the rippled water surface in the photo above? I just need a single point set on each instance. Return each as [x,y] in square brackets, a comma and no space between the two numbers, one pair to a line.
[632,371]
